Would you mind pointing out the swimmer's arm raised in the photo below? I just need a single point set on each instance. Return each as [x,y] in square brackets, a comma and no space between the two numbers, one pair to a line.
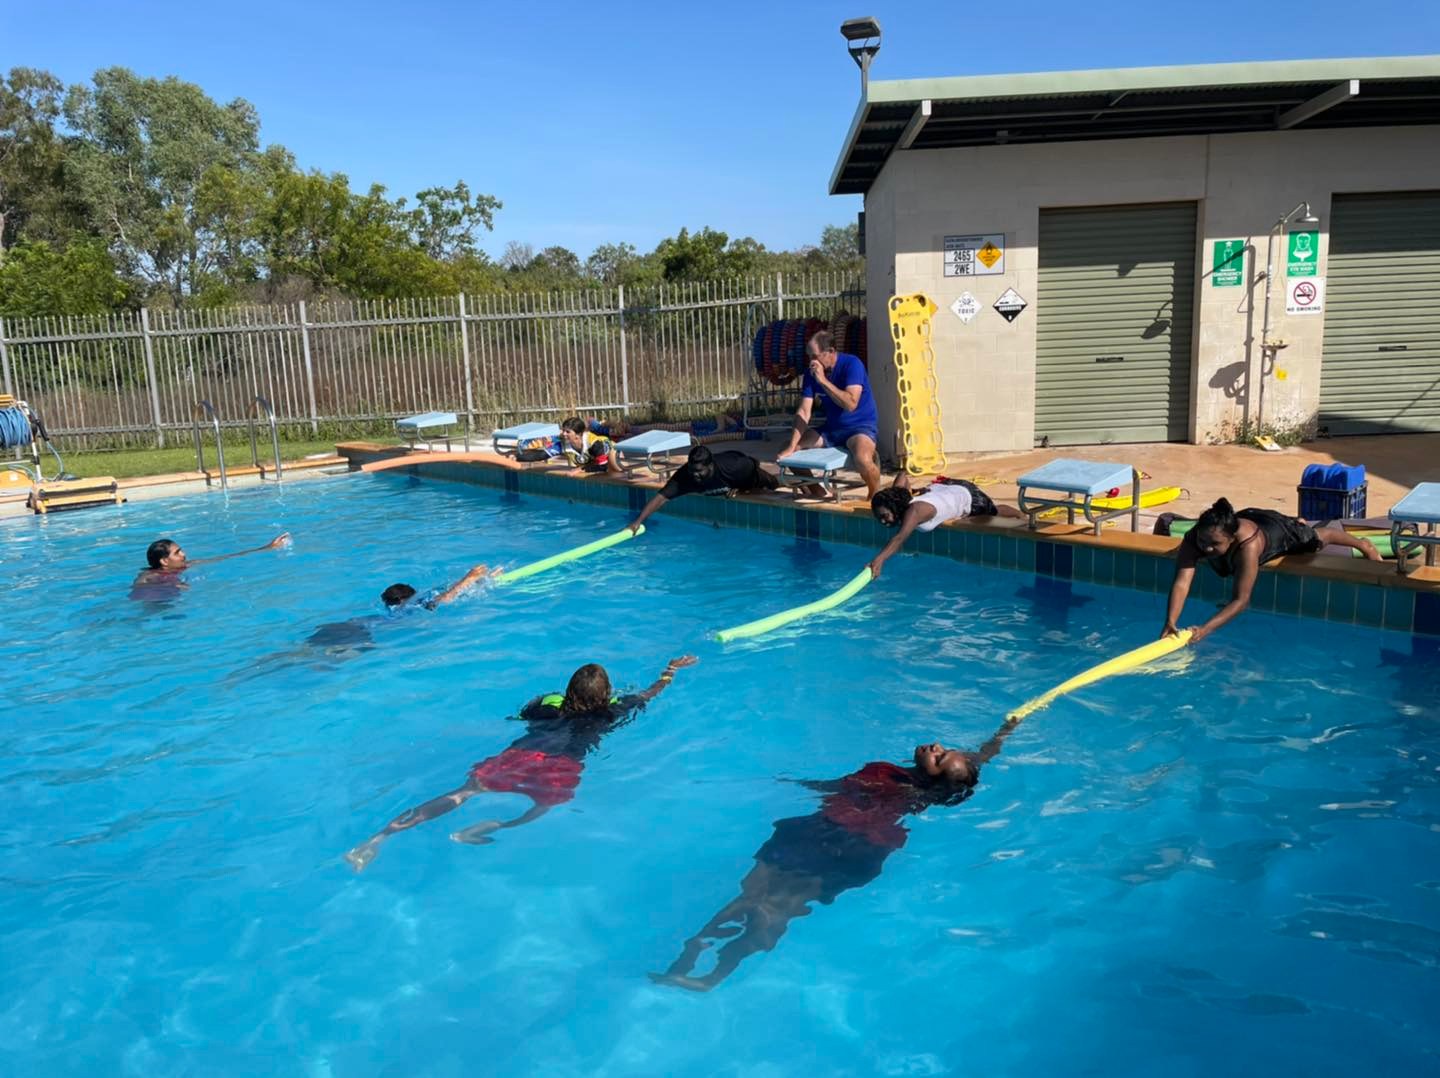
[461,586]
[667,676]
[281,540]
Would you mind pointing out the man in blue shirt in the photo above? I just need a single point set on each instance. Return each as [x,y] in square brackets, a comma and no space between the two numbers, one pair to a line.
[851,422]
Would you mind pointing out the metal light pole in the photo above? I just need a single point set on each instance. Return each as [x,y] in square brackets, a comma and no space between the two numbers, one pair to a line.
[863,36]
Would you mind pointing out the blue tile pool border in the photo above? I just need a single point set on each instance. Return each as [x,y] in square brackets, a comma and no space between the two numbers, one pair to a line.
[1401,607]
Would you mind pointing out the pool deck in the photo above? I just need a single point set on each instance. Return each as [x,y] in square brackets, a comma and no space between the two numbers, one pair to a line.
[149,487]
[1345,589]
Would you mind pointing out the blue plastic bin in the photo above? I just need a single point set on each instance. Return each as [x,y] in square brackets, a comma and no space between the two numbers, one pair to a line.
[1332,492]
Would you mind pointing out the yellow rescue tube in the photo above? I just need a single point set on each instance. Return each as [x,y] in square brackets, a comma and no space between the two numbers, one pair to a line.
[1119,665]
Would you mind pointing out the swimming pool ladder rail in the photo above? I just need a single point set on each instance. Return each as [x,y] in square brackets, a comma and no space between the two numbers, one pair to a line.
[203,409]
[256,406]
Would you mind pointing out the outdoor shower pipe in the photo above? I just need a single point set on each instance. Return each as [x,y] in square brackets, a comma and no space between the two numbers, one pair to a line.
[1278,230]
[1268,348]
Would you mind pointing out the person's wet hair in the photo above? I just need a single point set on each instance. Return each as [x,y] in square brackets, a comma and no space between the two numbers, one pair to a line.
[700,459]
[158,551]
[894,499]
[396,594]
[588,691]
[575,425]
[1221,517]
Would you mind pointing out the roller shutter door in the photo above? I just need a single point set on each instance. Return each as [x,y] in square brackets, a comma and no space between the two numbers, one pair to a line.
[1380,365]
[1113,340]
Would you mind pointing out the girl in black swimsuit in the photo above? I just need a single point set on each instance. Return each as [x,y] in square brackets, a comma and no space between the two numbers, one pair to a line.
[1237,544]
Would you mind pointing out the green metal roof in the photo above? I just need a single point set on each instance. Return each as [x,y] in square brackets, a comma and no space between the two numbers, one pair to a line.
[1138,102]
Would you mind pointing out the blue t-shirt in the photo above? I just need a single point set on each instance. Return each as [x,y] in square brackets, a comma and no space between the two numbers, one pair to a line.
[848,371]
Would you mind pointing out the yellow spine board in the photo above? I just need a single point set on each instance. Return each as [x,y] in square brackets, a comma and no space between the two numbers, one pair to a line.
[915,379]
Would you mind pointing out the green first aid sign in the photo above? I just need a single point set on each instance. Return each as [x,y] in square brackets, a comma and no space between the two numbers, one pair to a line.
[1228,264]
[1304,254]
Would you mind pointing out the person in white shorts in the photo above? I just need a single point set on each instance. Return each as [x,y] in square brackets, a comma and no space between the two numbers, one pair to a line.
[943,500]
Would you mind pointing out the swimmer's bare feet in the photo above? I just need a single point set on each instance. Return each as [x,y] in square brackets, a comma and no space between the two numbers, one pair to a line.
[362,855]
[676,980]
[476,835]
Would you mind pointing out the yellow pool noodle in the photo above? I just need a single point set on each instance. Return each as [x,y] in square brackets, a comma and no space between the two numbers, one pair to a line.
[1118,665]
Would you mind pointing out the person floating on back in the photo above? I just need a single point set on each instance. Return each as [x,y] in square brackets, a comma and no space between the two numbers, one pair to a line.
[544,763]
[851,419]
[942,501]
[726,473]
[165,559]
[817,857]
[1237,544]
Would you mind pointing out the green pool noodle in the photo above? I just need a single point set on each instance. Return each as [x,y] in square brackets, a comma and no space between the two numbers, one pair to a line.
[509,576]
[1179,528]
[785,617]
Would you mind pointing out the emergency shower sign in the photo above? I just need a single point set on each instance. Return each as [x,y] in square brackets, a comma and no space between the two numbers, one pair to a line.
[974,256]
[1228,264]
[1303,255]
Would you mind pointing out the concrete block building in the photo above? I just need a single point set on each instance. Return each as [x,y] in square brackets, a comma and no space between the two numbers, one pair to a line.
[1097,245]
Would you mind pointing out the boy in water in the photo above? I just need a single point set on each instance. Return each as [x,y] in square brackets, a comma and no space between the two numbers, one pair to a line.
[165,561]
[817,857]
[943,500]
[544,763]
[337,637]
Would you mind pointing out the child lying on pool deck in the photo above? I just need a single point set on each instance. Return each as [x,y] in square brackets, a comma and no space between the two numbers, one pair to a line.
[943,500]
[544,763]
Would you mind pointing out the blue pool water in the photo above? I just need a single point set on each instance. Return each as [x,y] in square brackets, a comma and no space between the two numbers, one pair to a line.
[1229,867]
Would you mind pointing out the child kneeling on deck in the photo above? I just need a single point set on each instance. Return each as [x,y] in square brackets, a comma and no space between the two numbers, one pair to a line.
[943,500]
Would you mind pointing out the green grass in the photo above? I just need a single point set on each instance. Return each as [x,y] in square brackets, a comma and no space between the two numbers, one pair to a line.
[129,463]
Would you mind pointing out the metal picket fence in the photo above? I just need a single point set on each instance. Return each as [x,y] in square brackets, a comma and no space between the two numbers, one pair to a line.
[134,379]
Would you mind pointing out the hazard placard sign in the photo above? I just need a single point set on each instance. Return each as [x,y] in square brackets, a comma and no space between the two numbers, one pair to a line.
[974,256]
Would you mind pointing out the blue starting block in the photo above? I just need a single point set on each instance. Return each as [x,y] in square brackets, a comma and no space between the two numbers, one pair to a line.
[814,467]
[507,442]
[413,428]
[651,445]
[1080,482]
[1420,506]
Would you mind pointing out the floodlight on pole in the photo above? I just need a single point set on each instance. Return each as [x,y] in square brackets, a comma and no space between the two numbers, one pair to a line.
[863,37]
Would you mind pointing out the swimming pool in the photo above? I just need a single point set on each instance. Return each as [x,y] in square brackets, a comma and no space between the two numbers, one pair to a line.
[1229,866]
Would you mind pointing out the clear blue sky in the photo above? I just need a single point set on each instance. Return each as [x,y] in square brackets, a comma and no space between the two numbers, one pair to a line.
[599,122]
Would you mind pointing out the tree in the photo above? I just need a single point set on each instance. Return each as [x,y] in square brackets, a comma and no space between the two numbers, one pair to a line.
[142,149]
[36,279]
[706,255]
[517,256]
[443,223]
[33,199]
[840,245]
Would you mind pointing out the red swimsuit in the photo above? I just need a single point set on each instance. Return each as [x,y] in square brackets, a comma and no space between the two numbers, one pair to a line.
[544,778]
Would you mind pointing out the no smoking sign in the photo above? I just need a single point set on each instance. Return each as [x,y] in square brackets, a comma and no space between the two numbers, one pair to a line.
[1305,295]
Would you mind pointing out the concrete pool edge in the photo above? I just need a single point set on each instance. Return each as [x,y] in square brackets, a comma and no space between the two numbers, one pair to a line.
[1346,591]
